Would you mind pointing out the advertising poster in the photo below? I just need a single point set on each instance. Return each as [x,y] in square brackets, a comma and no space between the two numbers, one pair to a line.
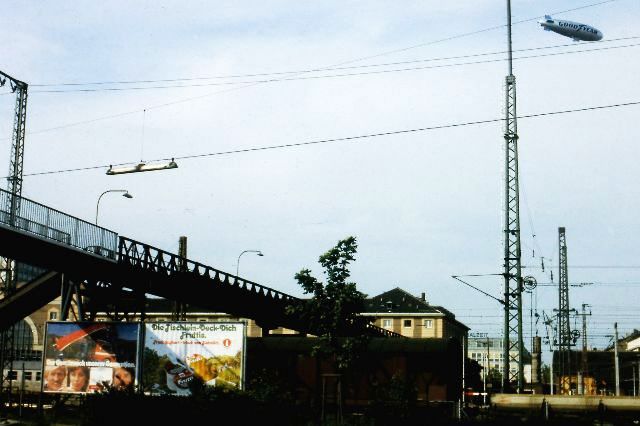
[87,357]
[177,355]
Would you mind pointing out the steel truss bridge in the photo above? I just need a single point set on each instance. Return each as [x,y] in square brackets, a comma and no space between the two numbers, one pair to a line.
[95,270]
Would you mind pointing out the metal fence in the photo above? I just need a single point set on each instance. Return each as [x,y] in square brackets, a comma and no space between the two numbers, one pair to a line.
[35,218]
[153,259]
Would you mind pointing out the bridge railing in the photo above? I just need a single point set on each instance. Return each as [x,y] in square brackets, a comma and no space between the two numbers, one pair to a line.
[149,258]
[154,259]
[35,218]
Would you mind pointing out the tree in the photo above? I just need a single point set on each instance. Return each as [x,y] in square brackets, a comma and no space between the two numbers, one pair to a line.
[545,372]
[332,312]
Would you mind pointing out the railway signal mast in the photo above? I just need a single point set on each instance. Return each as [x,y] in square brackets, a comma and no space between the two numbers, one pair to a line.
[582,379]
[512,336]
[566,337]
[12,207]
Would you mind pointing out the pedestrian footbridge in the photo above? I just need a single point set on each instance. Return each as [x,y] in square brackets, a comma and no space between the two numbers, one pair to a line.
[113,274]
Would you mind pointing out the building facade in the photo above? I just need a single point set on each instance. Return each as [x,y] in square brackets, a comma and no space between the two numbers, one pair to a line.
[487,352]
[411,316]
[395,310]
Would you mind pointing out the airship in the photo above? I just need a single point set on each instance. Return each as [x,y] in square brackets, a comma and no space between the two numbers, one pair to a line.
[575,30]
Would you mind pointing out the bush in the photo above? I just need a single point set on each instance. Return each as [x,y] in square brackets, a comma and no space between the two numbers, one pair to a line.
[205,405]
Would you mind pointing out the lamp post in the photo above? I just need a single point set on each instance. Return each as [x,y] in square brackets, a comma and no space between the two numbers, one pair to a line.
[258,252]
[125,195]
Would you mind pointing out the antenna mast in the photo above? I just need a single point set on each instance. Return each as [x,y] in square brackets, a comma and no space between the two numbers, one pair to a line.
[512,339]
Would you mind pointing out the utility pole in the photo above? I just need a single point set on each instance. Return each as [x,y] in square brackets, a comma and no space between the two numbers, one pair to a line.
[512,340]
[633,370]
[487,375]
[583,364]
[616,361]
[8,278]
[551,338]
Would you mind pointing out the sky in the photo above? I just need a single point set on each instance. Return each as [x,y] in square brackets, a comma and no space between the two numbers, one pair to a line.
[210,84]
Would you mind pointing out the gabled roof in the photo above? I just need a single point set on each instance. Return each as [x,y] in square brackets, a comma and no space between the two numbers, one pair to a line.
[635,334]
[401,302]
[631,336]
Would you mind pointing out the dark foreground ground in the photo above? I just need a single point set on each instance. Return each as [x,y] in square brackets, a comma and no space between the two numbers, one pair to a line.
[120,410]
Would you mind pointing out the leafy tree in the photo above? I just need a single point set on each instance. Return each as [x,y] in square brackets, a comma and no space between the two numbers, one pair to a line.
[494,376]
[545,373]
[332,312]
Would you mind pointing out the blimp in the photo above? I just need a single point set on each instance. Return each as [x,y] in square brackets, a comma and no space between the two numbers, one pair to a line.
[575,30]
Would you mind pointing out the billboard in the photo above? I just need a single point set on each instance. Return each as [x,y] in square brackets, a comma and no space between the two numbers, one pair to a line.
[177,355]
[86,357]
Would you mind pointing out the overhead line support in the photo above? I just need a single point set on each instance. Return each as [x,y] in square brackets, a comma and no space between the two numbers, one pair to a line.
[513,346]
[8,276]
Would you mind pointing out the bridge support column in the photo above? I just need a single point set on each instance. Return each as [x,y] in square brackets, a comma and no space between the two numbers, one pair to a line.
[71,289]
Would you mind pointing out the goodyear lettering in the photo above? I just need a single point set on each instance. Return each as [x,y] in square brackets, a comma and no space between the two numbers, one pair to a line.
[577,27]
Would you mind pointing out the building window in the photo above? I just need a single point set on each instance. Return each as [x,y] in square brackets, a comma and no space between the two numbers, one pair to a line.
[406,323]
[38,376]
[28,375]
[53,315]
[13,375]
[428,323]
[386,323]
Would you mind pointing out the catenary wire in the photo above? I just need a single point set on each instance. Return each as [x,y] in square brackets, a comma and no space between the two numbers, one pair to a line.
[175,80]
[184,100]
[318,77]
[348,138]
[338,66]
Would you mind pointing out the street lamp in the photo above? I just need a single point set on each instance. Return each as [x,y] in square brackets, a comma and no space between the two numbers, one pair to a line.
[125,195]
[258,252]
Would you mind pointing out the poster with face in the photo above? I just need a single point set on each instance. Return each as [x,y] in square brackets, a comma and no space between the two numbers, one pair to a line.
[86,357]
[178,355]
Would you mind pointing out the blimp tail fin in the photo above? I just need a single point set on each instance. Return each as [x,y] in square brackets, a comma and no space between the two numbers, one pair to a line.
[548,18]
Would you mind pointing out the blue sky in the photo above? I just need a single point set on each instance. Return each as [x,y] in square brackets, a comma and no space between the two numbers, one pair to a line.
[423,205]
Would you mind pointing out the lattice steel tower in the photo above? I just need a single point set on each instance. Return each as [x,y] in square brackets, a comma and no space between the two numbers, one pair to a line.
[565,338]
[512,338]
[8,277]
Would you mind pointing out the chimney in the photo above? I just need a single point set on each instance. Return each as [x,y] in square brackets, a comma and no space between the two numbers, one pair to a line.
[536,359]
[423,297]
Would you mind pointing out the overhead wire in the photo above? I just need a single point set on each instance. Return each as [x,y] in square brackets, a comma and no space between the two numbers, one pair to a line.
[596,266]
[189,99]
[347,138]
[339,66]
[123,114]
[318,77]
[440,59]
